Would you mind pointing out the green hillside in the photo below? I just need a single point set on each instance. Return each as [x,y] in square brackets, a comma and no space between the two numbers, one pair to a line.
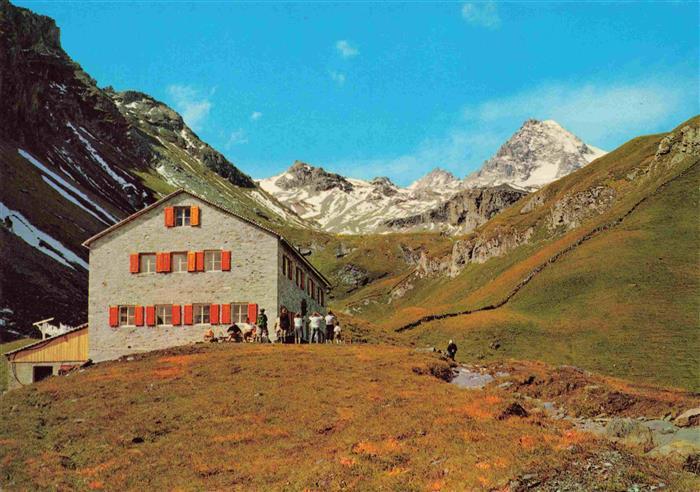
[617,293]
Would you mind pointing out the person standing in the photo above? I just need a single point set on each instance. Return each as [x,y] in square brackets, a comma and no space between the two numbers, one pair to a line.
[451,349]
[283,325]
[330,325]
[298,328]
[337,337]
[315,325]
[262,326]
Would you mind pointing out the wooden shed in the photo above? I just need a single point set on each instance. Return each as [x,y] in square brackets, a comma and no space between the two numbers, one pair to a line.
[48,357]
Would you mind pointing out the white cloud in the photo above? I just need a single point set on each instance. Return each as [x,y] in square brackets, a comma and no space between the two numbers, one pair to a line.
[602,113]
[345,49]
[237,137]
[191,104]
[255,116]
[594,110]
[338,77]
[483,14]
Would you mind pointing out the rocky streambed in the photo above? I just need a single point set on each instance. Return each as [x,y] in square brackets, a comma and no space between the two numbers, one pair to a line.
[675,435]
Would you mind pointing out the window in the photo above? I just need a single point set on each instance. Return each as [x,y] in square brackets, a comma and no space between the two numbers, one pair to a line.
[239,312]
[311,288]
[286,267]
[300,278]
[201,314]
[127,316]
[319,295]
[182,216]
[212,261]
[179,262]
[147,263]
[164,315]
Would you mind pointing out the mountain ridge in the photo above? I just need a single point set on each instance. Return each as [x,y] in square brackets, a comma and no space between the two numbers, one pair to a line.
[537,153]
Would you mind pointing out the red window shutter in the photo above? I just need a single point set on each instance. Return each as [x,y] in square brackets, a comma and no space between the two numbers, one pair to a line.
[194,215]
[200,261]
[113,316]
[134,263]
[176,315]
[225,261]
[159,262]
[253,313]
[188,314]
[150,315]
[138,315]
[214,314]
[225,314]
[167,262]
[191,261]
[169,217]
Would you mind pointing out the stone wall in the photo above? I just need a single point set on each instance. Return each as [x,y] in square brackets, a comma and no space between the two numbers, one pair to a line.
[289,294]
[22,373]
[253,276]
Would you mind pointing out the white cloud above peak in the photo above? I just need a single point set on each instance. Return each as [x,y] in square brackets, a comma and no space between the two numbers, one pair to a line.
[484,14]
[594,110]
[345,49]
[191,104]
[237,137]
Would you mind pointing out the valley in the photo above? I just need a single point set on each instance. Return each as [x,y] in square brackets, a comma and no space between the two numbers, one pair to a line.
[567,276]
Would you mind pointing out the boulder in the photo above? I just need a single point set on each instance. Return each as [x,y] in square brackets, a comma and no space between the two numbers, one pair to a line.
[630,432]
[688,418]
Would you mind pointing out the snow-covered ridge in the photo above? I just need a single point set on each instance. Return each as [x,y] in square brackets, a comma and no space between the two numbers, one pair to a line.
[537,154]
[349,205]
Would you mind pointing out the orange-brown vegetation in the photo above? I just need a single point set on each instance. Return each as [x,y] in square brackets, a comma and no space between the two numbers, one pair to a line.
[242,417]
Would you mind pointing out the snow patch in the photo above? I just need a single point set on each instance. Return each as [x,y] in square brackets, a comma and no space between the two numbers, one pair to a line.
[54,183]
[22,228]
[98,158]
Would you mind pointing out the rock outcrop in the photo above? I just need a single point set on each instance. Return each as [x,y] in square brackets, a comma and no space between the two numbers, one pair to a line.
[463,212]
[573,209]
[302,175]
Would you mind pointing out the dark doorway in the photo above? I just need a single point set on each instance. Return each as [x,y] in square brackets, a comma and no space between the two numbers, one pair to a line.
[303,307]
[42,372]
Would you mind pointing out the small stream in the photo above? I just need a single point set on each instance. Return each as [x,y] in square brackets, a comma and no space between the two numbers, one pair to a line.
[464,378]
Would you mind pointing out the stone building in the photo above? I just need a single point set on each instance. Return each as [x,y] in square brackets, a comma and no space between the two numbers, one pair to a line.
[168,273]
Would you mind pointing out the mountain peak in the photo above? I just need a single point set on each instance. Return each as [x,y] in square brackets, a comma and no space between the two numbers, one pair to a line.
[316,179]
[438,179]
[538,153]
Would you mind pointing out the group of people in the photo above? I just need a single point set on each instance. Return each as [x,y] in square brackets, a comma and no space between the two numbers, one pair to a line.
[314,328]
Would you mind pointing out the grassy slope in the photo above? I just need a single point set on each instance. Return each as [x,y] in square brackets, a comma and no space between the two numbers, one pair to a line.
[316,418]
[4,348]
[623,303]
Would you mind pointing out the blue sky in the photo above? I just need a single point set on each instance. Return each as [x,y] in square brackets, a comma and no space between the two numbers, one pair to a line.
[392,89]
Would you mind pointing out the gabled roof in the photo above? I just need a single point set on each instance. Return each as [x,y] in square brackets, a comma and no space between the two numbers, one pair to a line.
[180,191]
[46,341]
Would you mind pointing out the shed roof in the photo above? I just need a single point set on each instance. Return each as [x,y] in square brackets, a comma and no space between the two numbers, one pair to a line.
[45,342]
[172,195]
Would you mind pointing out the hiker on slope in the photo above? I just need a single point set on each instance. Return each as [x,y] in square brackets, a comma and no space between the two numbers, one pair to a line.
[451,349]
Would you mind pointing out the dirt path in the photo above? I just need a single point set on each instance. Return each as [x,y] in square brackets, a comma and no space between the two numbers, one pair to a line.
[528,278]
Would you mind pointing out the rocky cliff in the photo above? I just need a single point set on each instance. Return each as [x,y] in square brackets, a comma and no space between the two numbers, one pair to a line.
[464,211]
